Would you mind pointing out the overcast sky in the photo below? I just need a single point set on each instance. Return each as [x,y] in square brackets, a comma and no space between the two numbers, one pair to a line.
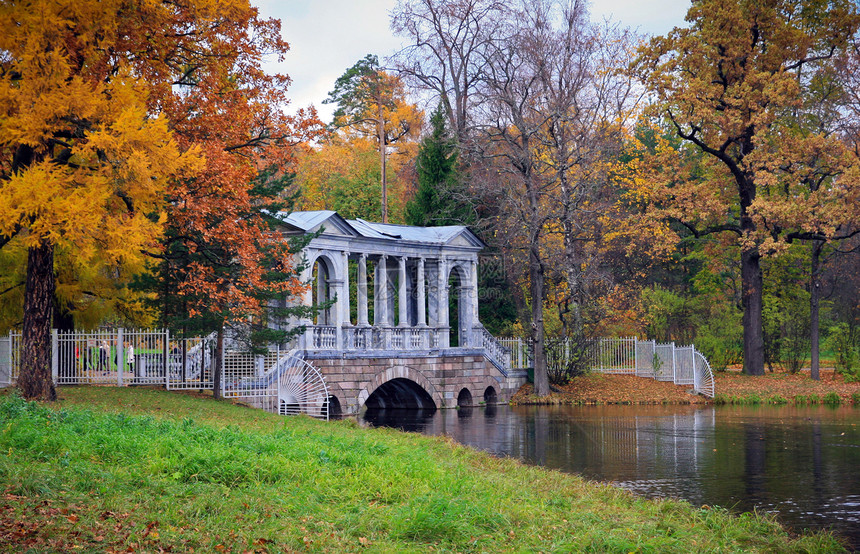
[328,36]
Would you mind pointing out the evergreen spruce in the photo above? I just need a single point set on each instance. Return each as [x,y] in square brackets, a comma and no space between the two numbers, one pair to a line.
[436,202]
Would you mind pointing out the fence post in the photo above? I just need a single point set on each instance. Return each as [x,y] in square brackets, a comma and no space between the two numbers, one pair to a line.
[54,355]
[11,346]
[119,357]
[166,359]
[635,355]
[673,362]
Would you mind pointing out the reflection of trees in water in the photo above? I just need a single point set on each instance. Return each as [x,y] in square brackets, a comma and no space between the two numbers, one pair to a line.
[755,459]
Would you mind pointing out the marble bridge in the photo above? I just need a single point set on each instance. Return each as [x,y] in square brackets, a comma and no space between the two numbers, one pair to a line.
[402,327]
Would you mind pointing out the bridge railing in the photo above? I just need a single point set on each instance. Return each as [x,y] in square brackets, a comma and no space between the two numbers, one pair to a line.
[495,351]
[403,338]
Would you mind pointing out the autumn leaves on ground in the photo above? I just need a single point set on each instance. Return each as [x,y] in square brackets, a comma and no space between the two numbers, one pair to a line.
[146,470]
[731,386]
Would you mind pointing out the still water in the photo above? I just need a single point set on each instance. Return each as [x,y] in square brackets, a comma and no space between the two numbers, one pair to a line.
[802,464]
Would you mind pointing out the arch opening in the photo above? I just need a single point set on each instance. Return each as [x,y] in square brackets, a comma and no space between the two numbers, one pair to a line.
[490,396]
[333,406]
[464,398]
[321,276]
[400,394]
[289,406]
[455,305]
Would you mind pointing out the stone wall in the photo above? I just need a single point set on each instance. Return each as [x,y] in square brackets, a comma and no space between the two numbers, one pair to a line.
[353,377]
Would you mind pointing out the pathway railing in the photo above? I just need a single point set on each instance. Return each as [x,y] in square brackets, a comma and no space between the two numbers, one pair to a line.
[119,357]
[279,381]
[495,351]
[682,365]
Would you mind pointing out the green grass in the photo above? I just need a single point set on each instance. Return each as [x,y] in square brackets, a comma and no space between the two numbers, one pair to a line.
[110,469]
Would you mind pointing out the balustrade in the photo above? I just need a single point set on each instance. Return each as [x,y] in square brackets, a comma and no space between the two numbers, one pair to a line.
[377,337]
[324,337]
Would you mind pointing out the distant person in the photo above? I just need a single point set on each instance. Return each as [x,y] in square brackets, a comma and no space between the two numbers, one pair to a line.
[104,353]
[129,357]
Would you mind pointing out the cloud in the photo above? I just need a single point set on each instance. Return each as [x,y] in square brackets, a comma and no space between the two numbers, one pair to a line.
[328,36]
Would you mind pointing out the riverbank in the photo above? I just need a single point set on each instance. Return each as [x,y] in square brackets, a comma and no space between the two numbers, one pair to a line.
[125,469]
[732,387]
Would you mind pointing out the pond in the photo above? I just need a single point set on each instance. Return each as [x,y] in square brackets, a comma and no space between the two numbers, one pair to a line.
[801,463]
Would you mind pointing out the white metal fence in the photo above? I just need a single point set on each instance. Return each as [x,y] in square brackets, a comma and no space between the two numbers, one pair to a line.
[682,365]
[279,381]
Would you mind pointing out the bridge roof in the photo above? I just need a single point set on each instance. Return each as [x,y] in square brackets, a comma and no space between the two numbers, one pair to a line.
[333,223]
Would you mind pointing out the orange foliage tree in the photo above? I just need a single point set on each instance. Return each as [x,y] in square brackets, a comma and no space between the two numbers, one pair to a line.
[222,258]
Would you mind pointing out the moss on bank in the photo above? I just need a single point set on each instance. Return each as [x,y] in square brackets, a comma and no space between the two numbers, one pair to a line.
[108,469]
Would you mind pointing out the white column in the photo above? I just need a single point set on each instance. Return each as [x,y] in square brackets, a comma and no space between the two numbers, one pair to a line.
[442,307]
[307,301]
[422,312]
[362,290]
[402,312]
[380,298]
[343,293]
[474,293]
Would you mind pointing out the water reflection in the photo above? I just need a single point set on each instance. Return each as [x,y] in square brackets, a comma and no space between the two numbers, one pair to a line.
[801,463]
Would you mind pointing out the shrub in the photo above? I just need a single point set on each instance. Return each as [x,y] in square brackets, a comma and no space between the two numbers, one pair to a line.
[832,399]
[801,399]
[842,340]
[720,340]
[814,399]
[777,399]
[567,358]
[855,398]
[722,399]
[752,399]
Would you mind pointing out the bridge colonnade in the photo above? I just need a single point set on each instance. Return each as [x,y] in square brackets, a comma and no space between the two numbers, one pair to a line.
[399,278]
[405,293]
[400,319]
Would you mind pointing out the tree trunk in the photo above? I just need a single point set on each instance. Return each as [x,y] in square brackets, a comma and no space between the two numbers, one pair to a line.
[381,131]
[219,363]
[814,300]
[536,286]
[35,380]
[752,284]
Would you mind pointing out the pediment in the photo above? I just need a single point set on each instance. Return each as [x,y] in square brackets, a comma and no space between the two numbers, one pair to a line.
[466,238]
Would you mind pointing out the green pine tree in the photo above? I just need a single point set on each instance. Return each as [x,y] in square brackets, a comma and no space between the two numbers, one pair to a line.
[439,199]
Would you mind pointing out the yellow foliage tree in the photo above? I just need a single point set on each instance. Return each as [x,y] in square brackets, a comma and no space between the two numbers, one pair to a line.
[343,174]
[84,160]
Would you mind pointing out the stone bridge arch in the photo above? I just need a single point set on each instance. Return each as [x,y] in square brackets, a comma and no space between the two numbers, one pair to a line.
[480,387]
[400,372]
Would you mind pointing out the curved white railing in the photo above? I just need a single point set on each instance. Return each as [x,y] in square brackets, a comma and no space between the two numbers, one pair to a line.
[704,377]
[292,383]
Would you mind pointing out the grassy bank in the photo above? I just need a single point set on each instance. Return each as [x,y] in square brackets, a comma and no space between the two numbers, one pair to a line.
[111,469]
